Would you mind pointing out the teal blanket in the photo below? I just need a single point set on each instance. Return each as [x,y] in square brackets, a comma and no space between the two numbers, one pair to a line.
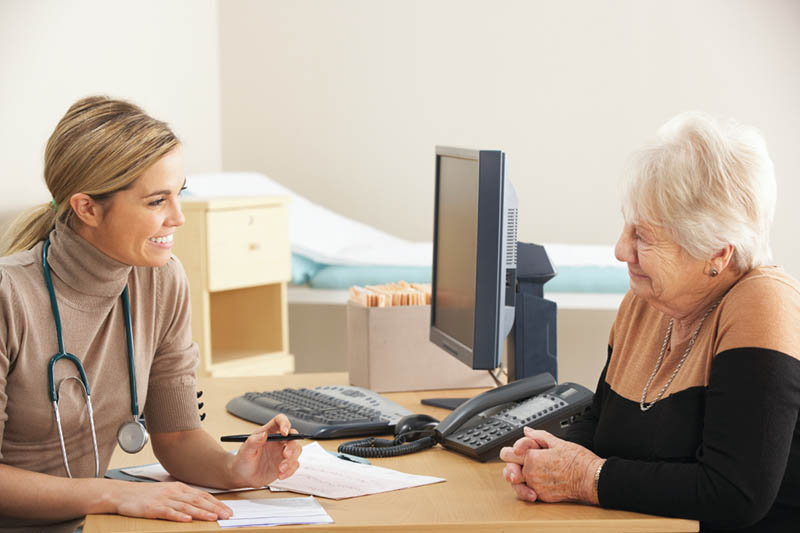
[583,279]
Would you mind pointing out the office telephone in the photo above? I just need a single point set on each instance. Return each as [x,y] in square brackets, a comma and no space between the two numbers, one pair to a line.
[484,424]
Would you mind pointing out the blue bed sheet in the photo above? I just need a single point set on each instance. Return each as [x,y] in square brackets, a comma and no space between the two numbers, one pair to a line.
[581,279]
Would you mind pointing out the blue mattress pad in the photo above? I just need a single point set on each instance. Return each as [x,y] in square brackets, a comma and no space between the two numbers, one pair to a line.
[580,279]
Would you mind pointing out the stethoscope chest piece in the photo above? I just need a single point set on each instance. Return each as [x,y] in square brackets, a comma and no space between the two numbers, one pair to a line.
[132,436]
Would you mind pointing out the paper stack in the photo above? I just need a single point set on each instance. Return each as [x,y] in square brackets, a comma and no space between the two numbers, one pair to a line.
[275,512]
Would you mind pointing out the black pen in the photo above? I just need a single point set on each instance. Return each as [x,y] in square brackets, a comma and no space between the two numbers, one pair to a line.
[270,437]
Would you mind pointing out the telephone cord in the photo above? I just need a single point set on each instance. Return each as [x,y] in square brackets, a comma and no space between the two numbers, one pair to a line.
[373,447]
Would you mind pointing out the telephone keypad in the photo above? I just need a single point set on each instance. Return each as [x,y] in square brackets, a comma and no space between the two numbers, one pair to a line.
[487,431]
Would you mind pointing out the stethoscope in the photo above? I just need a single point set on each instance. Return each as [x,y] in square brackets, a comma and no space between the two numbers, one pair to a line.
[132,436]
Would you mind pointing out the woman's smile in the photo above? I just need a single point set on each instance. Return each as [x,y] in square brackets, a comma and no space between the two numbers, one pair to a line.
[164,241]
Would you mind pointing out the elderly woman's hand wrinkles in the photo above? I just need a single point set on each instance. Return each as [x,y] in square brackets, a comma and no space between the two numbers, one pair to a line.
[512,472]
[546,468]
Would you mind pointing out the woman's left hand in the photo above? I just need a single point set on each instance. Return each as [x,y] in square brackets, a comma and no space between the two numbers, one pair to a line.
[259,462]
[543,467]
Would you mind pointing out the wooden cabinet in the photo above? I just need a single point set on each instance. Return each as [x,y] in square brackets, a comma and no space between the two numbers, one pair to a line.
[236,254]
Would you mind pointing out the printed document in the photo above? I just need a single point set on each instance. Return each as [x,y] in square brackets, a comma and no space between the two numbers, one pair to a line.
[275,512]
[324,475]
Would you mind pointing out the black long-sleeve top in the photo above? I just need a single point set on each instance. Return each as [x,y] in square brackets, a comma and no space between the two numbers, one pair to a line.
[722,446]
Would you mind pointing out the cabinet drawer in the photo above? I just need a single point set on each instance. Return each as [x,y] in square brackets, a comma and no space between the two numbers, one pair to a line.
[248,247]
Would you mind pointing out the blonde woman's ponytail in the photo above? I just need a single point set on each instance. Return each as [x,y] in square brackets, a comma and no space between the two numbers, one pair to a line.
[28,229]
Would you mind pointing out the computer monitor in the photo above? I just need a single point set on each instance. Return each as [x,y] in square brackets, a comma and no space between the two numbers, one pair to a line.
[478,288]
[474,256]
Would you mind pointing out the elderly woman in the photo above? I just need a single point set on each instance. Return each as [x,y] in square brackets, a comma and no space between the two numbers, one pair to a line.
[696,410]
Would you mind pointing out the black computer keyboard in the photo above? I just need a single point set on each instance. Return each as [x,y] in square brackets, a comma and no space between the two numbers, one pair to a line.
[327,412]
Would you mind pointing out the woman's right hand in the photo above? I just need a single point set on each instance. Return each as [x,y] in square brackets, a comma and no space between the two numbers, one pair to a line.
[174,501]
[512,472]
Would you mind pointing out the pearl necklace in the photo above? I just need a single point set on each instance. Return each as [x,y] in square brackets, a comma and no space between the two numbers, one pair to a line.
[645,406]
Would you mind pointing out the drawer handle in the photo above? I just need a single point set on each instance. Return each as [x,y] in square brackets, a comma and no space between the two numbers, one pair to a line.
[253,246]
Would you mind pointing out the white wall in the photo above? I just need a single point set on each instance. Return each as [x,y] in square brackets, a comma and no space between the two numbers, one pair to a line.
[344,100]
[163,56]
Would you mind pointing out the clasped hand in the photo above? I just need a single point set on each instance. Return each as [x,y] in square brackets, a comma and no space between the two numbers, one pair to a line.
[543,467]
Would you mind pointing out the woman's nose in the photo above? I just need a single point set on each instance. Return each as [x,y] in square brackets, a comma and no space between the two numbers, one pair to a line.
[176,218]
[624,250]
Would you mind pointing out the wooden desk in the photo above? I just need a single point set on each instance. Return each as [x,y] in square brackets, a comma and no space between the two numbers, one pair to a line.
[474,498]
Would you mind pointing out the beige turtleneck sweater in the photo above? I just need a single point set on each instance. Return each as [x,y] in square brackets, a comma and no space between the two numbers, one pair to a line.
[88,285]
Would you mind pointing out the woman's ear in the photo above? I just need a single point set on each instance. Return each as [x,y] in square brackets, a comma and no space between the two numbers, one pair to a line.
[86,209]
[722,259]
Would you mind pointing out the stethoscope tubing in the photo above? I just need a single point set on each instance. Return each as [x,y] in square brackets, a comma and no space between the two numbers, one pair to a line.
[54,306]
[126,307]
[57,415]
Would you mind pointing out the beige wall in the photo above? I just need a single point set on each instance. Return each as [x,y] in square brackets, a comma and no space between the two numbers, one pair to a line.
[160,55]
[344,100]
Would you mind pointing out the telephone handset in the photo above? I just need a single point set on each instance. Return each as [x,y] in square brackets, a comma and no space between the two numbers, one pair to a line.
[516,390]
[482,425]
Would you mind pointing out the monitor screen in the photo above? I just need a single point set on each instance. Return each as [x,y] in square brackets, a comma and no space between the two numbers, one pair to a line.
[474,256]
[457,239]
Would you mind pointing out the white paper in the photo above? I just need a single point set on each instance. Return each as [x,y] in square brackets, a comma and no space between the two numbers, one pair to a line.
[275,512]
[156,472]
[324,475]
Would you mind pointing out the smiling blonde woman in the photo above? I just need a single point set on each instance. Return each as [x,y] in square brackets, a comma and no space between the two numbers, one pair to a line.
[96,260]
[696,411]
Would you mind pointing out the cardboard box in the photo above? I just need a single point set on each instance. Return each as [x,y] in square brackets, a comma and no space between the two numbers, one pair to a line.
[388,350]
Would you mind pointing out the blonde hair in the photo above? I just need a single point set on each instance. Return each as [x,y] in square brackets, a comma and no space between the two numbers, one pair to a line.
[709,183]
[99,147]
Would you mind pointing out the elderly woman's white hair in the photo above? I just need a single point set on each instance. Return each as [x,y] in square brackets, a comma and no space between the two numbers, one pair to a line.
[709,183]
